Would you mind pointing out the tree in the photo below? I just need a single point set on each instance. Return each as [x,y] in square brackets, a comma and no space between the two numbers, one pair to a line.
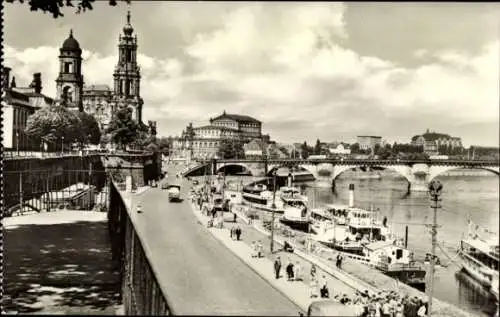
[91,133]
[123,129]
[355,148]
[304,150]
[317,147]
[54,124]
[54,6]
[164,144]
[229,149]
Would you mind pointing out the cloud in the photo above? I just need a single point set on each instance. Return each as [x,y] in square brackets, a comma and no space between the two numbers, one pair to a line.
[288,66]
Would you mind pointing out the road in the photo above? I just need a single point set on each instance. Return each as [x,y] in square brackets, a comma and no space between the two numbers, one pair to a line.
[201,275]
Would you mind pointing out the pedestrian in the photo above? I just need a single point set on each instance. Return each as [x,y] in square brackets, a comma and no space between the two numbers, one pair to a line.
[422,310]
[238,233]
[234,217]
[277,267]
[232,232]
[324,292]
[260,249]
[313,271]
[341,258]
[386,308]
[254,249]
[399,310]
[289,270]
[314,287]
[297,271]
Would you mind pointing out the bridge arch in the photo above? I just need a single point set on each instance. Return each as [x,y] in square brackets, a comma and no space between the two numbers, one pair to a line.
[402,170]
[239,167]
[435,171]
[306,167]
[198,170]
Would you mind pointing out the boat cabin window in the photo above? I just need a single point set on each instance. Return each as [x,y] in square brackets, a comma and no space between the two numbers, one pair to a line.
[482,257]
[399,254]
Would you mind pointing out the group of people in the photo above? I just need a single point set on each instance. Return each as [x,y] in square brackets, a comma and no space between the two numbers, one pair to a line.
[387,304]
[235,232]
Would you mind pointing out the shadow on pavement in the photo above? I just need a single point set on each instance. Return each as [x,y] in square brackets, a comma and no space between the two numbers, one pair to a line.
[48,266]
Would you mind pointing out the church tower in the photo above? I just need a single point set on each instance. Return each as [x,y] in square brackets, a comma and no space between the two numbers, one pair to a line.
[127,75]
[69,83]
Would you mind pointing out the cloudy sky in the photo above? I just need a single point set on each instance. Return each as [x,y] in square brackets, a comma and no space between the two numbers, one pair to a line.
[306,70]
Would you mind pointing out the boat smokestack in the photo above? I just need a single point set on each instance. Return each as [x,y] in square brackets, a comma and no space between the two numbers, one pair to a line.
[351,195]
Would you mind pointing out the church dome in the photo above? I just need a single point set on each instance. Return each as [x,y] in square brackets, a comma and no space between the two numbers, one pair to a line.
[70,44]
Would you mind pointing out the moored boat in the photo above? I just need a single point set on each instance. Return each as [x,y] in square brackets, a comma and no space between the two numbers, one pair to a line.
[295,213]
[480,259]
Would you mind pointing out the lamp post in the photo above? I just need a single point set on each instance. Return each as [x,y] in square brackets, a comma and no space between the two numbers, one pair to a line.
[273,206]
[435,189]
[62,145]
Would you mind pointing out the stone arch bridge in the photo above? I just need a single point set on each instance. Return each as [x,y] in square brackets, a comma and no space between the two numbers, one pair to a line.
[418,172]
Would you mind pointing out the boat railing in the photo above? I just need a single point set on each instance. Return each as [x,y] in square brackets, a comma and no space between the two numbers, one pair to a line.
[401,266]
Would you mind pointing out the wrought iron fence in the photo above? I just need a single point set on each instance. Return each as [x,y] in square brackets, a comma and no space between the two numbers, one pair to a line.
[47,190]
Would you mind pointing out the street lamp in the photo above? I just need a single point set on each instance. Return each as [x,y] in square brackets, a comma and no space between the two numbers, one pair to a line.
[273,206]
[62,145]
[435,190]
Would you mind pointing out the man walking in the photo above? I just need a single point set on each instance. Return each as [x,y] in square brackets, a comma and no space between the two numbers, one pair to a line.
[238,233]
[277,267]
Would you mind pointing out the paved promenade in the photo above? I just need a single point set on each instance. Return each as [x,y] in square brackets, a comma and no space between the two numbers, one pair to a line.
[199,274]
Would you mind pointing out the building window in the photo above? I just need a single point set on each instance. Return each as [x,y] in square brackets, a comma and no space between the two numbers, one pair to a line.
[129,56]
[68,67]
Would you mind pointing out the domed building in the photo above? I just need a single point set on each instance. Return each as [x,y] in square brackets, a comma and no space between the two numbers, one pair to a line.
[69,83]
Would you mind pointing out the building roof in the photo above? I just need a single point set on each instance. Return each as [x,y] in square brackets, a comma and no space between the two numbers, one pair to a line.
[236,117]
[101,87]
[369,136]
[253,145]
[70,44]
[12,94]
[215,128]
[378,245]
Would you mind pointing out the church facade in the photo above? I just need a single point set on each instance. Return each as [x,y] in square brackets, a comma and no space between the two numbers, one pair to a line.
[100,100]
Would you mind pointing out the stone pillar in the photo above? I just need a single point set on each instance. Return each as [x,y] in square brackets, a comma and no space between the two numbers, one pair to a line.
[419,178]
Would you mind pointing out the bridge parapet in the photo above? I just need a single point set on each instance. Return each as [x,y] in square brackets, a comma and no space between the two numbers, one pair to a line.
[418,172]
[142,294]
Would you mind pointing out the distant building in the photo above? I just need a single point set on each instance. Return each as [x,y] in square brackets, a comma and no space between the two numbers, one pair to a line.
[18,103]
[432,141]
[207,139]
[97,101]
[368,142]
[340,149]
[248,127]
[253,149]
[274,152]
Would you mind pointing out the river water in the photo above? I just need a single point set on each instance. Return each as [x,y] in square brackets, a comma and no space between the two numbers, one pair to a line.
[463,196]
[476,197]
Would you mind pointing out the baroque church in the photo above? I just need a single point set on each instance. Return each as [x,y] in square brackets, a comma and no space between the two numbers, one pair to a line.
[100,100]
